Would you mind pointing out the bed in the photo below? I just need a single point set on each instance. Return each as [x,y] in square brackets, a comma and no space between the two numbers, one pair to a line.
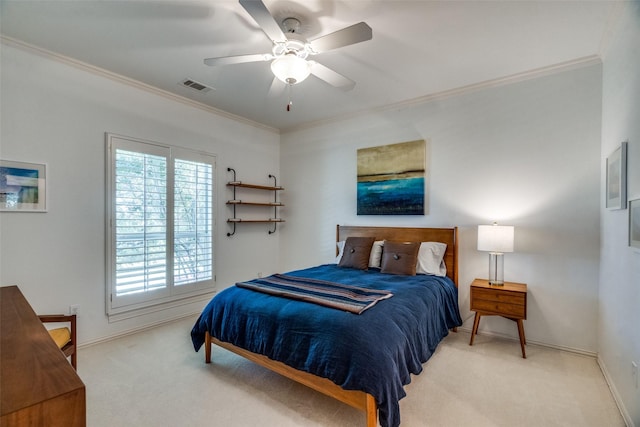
[363,360]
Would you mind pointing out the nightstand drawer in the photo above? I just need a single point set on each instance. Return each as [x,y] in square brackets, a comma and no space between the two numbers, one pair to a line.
[500,308]
[508,300]
[517,298]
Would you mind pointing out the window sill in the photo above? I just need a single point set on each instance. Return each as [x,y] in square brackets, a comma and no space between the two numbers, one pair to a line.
[123,313]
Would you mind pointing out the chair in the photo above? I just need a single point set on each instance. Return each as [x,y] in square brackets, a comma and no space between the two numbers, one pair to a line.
[65,337]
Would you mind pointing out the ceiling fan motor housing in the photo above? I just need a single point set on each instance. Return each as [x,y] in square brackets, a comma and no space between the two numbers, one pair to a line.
[299,48]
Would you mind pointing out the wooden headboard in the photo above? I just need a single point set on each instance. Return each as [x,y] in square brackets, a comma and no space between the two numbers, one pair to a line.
[407,234]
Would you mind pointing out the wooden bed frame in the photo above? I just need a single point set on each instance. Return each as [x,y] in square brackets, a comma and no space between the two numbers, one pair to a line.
[354,398]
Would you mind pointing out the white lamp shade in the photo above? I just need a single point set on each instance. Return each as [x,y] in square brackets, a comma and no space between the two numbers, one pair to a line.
[290,69]
[495,238]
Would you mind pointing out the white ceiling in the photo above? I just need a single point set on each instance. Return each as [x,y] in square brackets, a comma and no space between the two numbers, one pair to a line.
[419,48]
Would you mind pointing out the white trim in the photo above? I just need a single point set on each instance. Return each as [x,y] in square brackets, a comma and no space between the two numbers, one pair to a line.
[616,396]
[614,392]
[131,82]
[137,330]
[578,351]
[136,310]
[514,78]
[132,305]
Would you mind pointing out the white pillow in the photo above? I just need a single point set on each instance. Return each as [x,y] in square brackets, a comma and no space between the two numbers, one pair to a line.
[340,251]
[374,258]
[430,259]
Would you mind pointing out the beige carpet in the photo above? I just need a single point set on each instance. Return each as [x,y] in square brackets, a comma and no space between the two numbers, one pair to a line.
[154,378]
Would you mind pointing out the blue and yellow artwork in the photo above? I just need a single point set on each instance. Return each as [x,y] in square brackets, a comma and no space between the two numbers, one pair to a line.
[391,179]
[22,186]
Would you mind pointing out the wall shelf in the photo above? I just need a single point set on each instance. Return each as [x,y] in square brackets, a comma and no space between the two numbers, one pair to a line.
[254,186]
[241,202]
[236,220]
[235,202]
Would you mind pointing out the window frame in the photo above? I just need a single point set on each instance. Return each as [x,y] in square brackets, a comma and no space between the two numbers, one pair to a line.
[125,306]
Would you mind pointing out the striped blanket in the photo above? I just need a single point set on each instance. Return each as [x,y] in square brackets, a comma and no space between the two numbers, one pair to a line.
[335,295]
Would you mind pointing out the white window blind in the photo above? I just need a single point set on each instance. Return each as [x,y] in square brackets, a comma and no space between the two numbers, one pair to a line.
[161,222]
[193,246]
[140,222]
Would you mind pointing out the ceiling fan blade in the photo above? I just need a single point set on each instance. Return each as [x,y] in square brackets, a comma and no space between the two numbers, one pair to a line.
[238,59]
[264,19]
[350,35]
[331,77]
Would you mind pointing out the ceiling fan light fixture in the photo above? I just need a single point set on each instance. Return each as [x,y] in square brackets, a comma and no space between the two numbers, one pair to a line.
[290,69]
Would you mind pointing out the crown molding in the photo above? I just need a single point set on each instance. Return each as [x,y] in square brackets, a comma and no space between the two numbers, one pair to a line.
[10,41]
[502,81]
[487,84]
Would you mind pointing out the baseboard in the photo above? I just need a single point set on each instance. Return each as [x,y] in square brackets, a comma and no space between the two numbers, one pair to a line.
[532,342]
[614,392]
[137,329]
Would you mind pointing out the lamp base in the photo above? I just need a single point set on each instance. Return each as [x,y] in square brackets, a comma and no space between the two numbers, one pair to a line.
[496,269]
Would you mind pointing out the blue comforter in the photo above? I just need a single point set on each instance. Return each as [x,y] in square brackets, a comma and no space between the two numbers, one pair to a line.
[375,352]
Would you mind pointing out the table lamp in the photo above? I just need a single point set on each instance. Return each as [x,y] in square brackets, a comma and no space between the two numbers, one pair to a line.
[495,239]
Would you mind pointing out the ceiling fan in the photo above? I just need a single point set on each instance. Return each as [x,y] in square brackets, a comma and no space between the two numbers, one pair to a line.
[290,52]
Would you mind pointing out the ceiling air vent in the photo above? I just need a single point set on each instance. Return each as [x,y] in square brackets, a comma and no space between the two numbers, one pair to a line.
[197,86]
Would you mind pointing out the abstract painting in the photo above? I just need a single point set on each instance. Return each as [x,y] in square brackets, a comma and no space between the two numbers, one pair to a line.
[391,179]
[22,187]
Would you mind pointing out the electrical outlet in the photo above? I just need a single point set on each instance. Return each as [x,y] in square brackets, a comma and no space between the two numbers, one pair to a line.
[73,309]
[259,275]
[634,372]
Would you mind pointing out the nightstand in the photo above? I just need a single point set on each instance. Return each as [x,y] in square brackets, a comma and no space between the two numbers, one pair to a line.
[508,300]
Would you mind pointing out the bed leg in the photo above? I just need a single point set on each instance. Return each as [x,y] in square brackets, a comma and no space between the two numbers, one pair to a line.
[371,411]
[207,348]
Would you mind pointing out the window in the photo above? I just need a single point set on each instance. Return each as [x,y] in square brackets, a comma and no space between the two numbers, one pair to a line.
[160,224]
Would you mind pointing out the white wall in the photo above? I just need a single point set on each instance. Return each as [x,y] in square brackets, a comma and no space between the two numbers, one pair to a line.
[57,114]
[526,154]
[618,334]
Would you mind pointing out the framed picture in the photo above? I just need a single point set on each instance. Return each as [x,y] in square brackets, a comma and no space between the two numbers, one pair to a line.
[391,179]
[634,223]
[23,187]
[616,191]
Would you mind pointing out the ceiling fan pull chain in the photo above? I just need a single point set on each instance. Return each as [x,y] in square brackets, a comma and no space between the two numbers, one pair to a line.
[290,103]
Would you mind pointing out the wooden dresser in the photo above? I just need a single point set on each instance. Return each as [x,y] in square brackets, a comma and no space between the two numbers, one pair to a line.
[38,386]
